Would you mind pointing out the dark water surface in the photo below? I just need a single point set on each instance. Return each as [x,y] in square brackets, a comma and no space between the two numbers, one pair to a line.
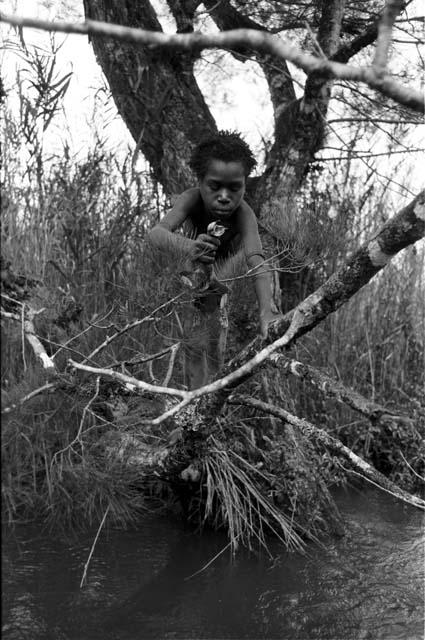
[367,585]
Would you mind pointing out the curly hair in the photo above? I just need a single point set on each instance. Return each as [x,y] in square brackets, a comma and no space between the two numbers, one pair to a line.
[227,146]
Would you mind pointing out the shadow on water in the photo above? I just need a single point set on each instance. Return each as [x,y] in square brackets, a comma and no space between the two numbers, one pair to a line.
[368,585]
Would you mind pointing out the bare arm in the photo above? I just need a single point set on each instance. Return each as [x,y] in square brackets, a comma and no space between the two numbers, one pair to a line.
[254,255]
[162,236]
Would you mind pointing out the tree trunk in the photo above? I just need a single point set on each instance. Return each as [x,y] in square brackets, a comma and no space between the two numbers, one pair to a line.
[155,92]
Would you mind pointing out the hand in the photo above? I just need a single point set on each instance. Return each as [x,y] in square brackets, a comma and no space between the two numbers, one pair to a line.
[204,248]
[267,318]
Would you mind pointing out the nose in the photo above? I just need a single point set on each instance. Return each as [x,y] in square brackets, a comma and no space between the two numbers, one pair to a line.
[223,196]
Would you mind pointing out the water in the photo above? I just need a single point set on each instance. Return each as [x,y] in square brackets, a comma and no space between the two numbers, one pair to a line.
[367,585]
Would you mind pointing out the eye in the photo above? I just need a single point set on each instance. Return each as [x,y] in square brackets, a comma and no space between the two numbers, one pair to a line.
[213,185]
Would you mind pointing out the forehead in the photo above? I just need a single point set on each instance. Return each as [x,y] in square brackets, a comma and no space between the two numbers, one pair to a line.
[222,171]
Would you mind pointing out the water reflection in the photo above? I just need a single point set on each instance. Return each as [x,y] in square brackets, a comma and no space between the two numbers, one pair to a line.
[367,585]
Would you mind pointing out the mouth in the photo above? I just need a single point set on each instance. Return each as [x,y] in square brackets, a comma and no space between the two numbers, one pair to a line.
[222,212]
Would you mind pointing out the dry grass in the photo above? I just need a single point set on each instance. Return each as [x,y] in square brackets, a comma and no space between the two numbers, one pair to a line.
[236,499]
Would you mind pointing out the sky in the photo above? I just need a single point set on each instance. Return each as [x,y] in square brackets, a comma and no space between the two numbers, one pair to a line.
[239,100]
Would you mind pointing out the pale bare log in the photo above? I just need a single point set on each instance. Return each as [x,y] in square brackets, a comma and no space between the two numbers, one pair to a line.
[254,39]
[360,466]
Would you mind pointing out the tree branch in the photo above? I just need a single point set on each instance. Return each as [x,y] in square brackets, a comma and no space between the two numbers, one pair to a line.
[130,382]
[259,41]
[360,466]
[391,11]
[335,389]
[317,89]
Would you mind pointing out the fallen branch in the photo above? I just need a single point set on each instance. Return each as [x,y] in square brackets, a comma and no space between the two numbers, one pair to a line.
[28,329]
[359,465]
[335,389]
[130,382]
[260,41]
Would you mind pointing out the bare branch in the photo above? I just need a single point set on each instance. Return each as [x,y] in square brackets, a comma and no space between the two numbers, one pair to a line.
[128,327]
[257,40]
[363,468]
[129,381]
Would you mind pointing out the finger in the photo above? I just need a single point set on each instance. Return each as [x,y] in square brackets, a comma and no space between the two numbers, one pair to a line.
[206,259]
[205,237]
[205,247]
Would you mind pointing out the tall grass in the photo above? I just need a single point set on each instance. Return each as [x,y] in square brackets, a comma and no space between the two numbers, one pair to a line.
[79,226]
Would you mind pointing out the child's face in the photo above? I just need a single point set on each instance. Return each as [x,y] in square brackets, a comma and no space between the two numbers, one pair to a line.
[222,188]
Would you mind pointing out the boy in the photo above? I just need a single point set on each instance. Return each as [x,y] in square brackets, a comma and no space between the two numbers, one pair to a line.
[221,164]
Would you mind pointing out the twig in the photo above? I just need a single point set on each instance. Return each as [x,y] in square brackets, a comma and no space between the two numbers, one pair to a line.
[80,428]
[212,559]
[131,325]
[86,566]
[29,396]
[421,478]
[8,298]
[174,349]
[23,336]
[78,335]
[143,360]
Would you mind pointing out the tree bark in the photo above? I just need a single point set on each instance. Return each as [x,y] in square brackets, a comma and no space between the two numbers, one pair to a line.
[335,389]
[155,92]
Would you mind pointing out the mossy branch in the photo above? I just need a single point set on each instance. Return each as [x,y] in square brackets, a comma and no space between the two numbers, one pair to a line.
[360,466]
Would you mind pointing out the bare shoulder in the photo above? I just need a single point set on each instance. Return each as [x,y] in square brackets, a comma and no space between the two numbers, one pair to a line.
[189,198]
[245,219]
[183,207]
